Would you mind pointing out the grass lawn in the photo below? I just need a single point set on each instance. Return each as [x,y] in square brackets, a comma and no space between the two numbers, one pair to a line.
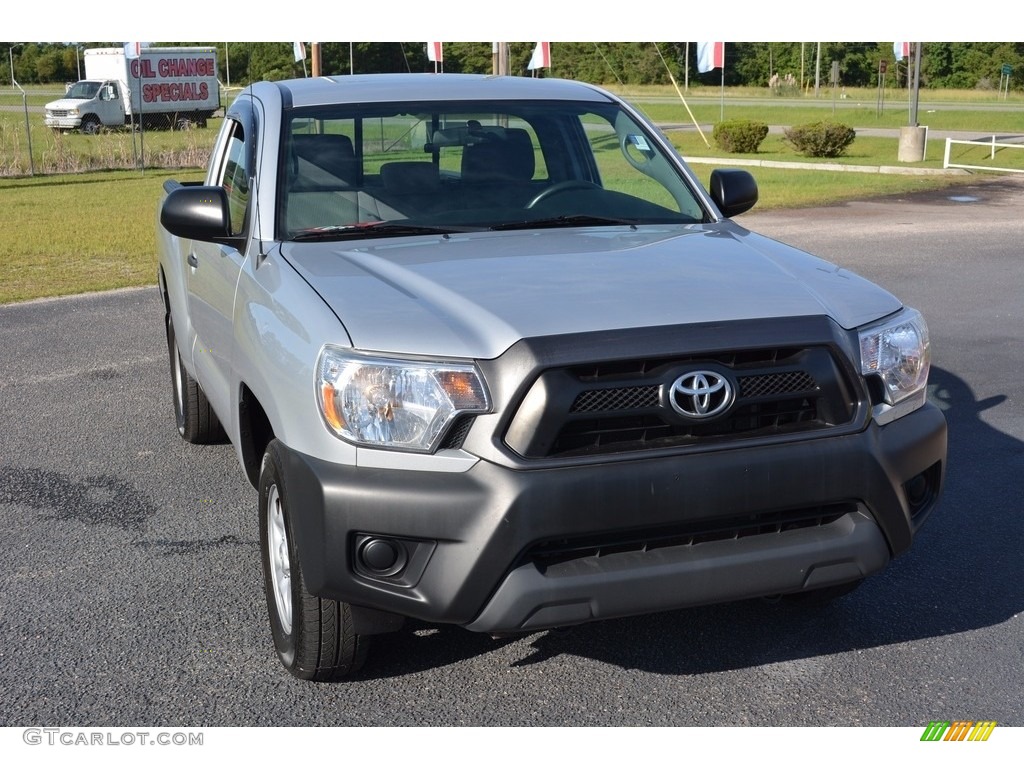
[72,234]
[92,231]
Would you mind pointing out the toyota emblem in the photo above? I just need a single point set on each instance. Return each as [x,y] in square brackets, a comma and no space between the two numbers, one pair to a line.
[701,394]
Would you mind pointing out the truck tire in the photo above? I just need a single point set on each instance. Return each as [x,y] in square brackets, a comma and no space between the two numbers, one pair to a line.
[195,419]
[91,125]
[314,637]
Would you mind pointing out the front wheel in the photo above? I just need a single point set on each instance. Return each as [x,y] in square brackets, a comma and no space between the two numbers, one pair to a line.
[91,125]
[314,637]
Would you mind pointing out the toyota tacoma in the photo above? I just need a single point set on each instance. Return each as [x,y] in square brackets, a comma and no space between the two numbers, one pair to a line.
[492,356]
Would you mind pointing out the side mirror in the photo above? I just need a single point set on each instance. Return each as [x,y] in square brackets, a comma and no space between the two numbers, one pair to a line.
[198,213]
[734,191]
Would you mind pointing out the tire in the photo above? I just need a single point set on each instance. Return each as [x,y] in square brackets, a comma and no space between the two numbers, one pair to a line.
[91,125]
[313,636]
[195,419]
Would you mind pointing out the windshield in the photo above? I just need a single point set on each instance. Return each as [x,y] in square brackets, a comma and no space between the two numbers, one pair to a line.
[84,89]
[372,170]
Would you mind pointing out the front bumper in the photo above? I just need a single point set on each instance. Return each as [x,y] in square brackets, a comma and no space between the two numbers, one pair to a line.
[65,123]
[499,549]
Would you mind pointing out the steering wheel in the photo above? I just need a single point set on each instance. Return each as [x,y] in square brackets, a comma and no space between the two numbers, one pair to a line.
[559,188]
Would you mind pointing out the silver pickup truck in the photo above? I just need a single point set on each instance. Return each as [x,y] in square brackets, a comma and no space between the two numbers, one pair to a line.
[493,357]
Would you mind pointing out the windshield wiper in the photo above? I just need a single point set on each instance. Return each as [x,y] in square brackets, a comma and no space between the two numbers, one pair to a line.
[373,229]
[578,220]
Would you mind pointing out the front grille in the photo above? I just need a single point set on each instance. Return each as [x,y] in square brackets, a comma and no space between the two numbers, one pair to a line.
[622,399]
[776,384]
[549,554]
[457,432]
[624,406]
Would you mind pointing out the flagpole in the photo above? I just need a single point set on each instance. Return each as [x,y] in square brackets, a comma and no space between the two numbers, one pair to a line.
[142,130]
[722,112]
[686,69]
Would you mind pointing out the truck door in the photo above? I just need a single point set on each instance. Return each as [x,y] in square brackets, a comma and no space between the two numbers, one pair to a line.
[213,270]
[110,109]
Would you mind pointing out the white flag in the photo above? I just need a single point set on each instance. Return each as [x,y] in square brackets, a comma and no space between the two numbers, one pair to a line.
[300,51]
[710,56]
[541,56]
[134,50]
[901,50]
[435,52]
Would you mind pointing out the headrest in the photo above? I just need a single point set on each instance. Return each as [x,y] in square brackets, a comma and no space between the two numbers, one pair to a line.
[494,158]
[331,151]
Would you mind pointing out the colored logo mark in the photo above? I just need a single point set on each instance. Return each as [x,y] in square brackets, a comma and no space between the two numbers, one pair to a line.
[959,730]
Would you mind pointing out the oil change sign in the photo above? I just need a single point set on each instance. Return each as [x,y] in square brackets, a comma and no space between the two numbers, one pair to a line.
[174,78]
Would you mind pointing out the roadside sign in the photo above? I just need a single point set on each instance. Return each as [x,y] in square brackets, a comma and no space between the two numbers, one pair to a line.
[883,64]
[1007,70]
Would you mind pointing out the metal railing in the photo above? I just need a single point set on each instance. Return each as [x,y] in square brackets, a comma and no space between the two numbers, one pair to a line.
[993,146]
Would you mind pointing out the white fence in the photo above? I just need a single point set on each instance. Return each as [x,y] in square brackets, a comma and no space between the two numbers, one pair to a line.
[993,144]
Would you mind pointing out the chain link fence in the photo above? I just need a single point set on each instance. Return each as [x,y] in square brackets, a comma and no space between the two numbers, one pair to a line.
[29,147]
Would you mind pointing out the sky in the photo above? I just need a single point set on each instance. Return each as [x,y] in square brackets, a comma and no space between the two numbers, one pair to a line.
[457,20]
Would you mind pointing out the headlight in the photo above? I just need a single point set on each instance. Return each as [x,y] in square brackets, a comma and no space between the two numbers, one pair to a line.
[897,352]
[394,403]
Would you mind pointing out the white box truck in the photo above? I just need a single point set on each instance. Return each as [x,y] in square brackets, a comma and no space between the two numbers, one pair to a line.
[165,87]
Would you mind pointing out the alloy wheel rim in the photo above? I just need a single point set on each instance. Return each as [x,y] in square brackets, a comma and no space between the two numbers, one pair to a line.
[179,387]
[280,563]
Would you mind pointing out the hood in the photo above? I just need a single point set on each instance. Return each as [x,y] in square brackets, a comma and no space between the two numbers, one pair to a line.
[474,295]
[61,104]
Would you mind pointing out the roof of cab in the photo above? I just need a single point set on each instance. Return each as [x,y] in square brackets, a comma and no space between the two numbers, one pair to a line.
[340,89]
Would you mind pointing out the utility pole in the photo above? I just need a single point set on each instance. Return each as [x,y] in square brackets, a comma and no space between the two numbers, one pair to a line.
[817,71]
[915,88]
[802,91]
[316,59]
[913,137]
[499,58]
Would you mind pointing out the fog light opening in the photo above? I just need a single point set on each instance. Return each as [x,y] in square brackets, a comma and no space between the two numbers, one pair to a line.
[382,557]
[922,490]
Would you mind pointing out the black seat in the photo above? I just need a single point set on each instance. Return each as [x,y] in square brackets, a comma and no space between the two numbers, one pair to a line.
[324,152]
[492,158]
[413,187]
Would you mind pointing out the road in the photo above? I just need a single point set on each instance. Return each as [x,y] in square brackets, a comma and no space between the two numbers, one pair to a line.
[131,589]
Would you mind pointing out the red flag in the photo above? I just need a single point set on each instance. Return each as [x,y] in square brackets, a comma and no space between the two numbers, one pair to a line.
[710,56]
[541,56]
[901,50]
[435,52]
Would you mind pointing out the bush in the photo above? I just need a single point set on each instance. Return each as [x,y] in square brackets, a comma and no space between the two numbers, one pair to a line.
[739,135]
[821,139]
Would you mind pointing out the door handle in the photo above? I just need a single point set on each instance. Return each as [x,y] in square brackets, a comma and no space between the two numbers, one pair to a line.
[192,261]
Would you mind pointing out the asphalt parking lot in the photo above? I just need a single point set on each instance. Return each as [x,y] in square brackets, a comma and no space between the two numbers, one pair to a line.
[131,590]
